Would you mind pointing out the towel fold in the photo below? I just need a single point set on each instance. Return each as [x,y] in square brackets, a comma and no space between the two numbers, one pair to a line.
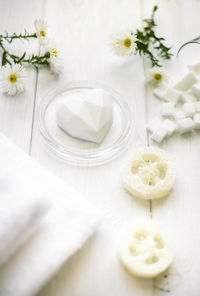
[66,226]
[20,216]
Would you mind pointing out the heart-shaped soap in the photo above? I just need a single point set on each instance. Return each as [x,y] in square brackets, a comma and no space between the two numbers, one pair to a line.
[86,114]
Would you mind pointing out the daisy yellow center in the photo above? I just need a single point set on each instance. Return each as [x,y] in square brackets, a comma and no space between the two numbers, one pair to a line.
[127,42]
[157,76]
[12,78]
[54,52]
[43,33]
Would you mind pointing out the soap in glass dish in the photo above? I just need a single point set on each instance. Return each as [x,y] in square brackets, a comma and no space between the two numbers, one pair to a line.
[86,114]
[78,152]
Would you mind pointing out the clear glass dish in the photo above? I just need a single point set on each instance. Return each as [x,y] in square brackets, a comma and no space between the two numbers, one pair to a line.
[78,152]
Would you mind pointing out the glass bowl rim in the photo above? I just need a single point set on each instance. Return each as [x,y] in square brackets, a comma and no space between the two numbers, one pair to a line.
[78,156]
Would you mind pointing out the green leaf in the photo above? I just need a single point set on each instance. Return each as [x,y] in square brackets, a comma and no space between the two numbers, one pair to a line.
[22,57]
[147,38]
[4,60]
[47,55]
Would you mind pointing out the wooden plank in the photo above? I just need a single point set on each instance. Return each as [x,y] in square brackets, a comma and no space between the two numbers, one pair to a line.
[179,213]
[16,113]
[82,29]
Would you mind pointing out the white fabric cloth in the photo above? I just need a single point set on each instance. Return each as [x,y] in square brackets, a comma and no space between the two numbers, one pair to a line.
[67,225]
[20,216]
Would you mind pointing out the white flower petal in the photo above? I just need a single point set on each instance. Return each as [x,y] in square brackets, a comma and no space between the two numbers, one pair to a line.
[12,87]
[55,60]
[41,30]
[156,76]
[124,44]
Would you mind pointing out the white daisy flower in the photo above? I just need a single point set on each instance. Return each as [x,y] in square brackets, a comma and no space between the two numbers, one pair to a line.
[12,79]
[41,30]
[157,76]
[124,44]
[55,60]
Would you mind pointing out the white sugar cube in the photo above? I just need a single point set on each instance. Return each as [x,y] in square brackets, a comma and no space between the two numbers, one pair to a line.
[188,97]
[196,90]
[185,125]
[170,126]
[159,134]
[167,109]
[172,95]
[160,92]
[186,82]
[189,109]
[179,115]
[197,106]
[153,124]
[195,68]
[197,120]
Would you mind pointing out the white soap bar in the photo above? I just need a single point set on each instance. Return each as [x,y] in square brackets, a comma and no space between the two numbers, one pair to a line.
[195,68]
[189,109]
[197,121]
[179,115]
[172,95]
[185,125]
[170,126]
[167,109]
[188,97]
[160,93]
[153,124]
[159,134]
[197,107]
[196,90]
[86,115]
[186,82]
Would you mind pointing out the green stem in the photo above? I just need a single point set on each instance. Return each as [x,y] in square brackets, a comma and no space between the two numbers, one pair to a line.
[37,60]
[147,37]
[10,38]
[5,54]
[34,60]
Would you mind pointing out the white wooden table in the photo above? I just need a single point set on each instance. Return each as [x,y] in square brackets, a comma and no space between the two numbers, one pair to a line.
[82,28]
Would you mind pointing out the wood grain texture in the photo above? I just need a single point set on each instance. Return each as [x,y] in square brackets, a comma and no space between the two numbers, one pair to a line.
[179,213]
[88,26]
[82,29]
[17,112]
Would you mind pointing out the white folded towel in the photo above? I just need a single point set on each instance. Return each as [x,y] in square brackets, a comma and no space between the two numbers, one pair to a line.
[67,225]
[20,216]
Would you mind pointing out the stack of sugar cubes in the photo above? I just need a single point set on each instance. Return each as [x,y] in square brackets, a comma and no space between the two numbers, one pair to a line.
[180,110]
